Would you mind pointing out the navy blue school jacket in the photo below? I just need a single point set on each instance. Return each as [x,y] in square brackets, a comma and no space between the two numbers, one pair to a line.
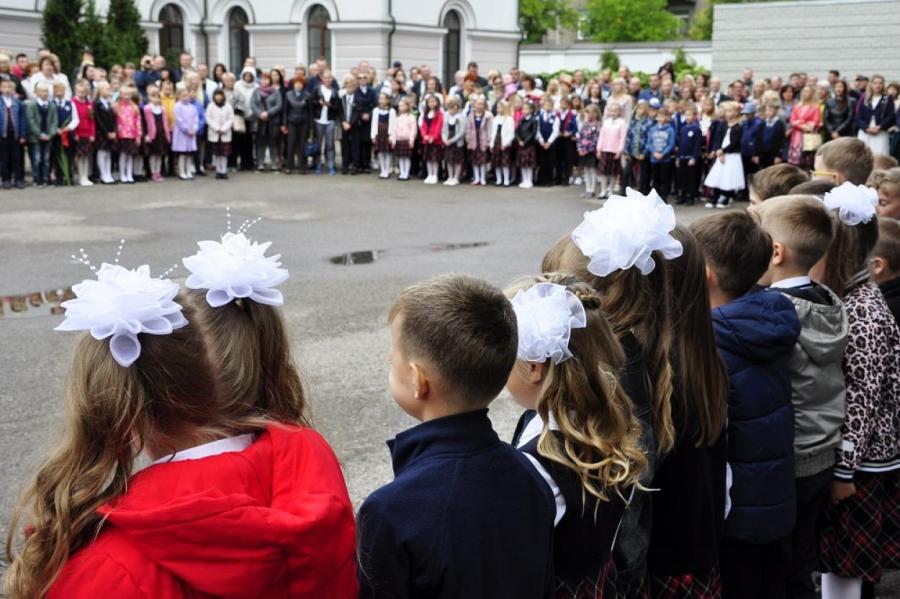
[755,335]
[883,113]
[772,137]
[465,516]
[690,141]
[750,137]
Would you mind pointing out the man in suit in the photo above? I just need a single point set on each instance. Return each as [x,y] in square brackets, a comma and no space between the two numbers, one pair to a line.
[365,101]
[425,72]
[715,90]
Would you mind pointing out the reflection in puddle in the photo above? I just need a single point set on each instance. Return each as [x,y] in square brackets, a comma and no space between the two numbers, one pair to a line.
[370,256]
[38,303]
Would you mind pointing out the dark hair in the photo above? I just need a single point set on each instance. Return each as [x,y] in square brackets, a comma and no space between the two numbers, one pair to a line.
[785,89]
[472,64]
[701,379]
[777,180]
[888,246]
[736,248]
[813,187]
[848,253]
[834,72]
[465,328]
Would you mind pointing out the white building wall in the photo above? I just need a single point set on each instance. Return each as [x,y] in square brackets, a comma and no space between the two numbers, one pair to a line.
[853,36]
[492,53]
[20,30]
[646,57]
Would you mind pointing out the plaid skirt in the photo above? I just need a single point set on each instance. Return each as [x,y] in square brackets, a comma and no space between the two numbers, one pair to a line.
[589,160]
[402,149]
[104,143]
[454,154]
[84,148]
[478,157]
[527,156]
[129,147]
[687,586]
[604,587]
[220,148]
[501,156]
[432,152]
[609,165]
[860,536]
[158,146]
[382,143]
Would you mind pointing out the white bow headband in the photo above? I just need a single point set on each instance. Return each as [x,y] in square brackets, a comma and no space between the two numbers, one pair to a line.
[855,204]
[121,304]
[236,268]
[546,314]
[625,232]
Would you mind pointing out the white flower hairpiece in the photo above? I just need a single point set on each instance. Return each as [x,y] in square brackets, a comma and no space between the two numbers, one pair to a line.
[625,232]
[855,204]
[546,314]
[119,305]
[235,268]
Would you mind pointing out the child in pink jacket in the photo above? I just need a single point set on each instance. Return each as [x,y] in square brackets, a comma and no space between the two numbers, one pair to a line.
[128,131]
[610,145]
[403,138]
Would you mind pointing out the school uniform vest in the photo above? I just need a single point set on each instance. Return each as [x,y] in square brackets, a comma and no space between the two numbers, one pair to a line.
[583,538]
[546,126]
[63,112]
[772,136]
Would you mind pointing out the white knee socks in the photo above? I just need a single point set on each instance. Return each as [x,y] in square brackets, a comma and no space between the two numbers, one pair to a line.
[506,175]
[590,179]
[835,587]
[84,171]
[527,177]
[384,163]
[405,164]
[104,163]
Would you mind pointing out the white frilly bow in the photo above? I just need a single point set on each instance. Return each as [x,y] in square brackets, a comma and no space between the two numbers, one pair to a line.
[855,204]
[625,232]
[236,268]
[546,314]
[119,305]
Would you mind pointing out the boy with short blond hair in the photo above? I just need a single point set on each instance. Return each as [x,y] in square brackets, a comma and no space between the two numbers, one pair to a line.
[801,231]
[466,514]
[844,159]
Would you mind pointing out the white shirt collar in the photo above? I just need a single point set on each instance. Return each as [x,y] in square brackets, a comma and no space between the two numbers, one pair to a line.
[226,445]
[7,100]
[534,428]
[791,282]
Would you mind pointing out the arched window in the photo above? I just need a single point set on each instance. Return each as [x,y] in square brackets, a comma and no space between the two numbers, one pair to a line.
[171,35]
[318,36]
[452,43]
[238,39]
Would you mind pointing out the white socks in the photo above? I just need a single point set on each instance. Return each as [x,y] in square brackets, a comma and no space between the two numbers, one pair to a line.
[590,179]
[506,175]
[185,166]
[433,172]
[384,163]
[405,164]
[479,173]
[527,177]
[84,171]
[104,163]
[835,587]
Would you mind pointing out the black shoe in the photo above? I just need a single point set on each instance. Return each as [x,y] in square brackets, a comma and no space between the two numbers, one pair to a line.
[20,184]
[7,185]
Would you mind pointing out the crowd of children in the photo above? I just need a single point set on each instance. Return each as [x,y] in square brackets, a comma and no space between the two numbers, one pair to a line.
[688,137]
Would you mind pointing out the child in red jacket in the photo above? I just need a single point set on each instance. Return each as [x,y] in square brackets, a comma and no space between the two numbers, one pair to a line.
[241,499]
[85,132]
[431,126]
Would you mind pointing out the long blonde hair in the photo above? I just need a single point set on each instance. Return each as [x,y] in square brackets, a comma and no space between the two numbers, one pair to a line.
[600,433]
[633,303]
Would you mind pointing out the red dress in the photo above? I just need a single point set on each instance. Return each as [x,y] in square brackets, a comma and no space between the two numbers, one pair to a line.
[273,520]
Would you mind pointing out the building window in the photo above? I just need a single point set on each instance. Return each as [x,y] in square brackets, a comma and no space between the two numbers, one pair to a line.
[171,34]
[318,36]
[238,39]
[452,43]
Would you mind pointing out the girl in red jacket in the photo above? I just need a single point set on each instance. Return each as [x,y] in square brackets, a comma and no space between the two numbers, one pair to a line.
[85,132]
[431,127]
[240,500]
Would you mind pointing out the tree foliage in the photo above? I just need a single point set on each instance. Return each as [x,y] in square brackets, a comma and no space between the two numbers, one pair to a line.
[631,21]
[58,22]
[92,33]
[609,60]
[540,16]
[126,38]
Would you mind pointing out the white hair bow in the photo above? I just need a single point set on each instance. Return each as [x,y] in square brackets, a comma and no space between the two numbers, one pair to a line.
[119,305]
[235,268]
[625,232]
[855,204]
[546,314]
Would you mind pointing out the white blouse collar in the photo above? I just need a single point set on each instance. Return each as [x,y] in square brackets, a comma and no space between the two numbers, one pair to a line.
[226,445]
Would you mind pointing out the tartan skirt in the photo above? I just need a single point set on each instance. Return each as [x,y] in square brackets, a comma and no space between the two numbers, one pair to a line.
[609,165]
[860,536]
[501,156]
[527,156]
[220,148]
[382,143]
[707,585]
[432,152]
[589,160]
[129,147]
[84,148]
[402,149]
[454,154]
[478,157]
[105,144]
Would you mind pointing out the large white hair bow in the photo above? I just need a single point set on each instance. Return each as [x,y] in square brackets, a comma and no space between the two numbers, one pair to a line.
[855,204]
[236,268]
[119,305]
[625,232]
[546,314]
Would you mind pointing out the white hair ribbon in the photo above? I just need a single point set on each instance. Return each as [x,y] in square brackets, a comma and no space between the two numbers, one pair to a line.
[855,204]
[546,314]
[625,232]
[119,305]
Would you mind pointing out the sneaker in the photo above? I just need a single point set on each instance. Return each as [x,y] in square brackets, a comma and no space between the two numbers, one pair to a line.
[20,184]
[448,182]
[526,185]
[319,169]
[332,172]
[7,185]
[709,205]
[722,202]
[579,181]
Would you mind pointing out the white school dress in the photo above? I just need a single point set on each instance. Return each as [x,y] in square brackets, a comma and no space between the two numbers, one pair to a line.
[727,176]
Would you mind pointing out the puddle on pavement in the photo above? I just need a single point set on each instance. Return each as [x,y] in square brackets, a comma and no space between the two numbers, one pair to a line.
[37,303]
[370,256]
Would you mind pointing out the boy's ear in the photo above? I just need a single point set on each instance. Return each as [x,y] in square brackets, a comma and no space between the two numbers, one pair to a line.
[878,265]
[534,372]
[711,279]
[421,383]
[779,253]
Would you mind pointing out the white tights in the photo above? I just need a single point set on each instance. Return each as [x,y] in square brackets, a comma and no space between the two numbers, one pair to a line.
[104,163]
[184,165]
[405,164]
[434,169]
[480,172]
[590,179]
[126,168]
[384,163]
[84,170]
[527,174]
[835,587]
[453,171]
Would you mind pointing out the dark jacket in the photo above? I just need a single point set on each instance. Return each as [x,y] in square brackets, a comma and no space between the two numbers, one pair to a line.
[297,107]
[351,112]
[334,105]
[690,141]
[771,137]
[734,143]
[839,117]
[883,113]
[755,335]
[526,132]
[661,138]
[104,118]
[751,133]
[271,104]
[17,120]
[367,100]
[465,516]
[891,291]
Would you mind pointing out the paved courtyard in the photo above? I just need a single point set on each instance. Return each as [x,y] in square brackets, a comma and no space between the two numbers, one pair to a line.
[335,312]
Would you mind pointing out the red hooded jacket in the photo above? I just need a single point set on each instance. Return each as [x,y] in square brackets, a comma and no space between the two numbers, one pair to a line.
[272,521]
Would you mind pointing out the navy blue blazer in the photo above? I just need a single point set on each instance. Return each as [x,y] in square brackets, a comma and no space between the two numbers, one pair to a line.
[772,138]
[883,113]
[690,141]
[750,136]
[465,516]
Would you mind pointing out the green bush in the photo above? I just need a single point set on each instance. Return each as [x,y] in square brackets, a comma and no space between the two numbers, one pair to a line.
[59,27]
[609,60]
